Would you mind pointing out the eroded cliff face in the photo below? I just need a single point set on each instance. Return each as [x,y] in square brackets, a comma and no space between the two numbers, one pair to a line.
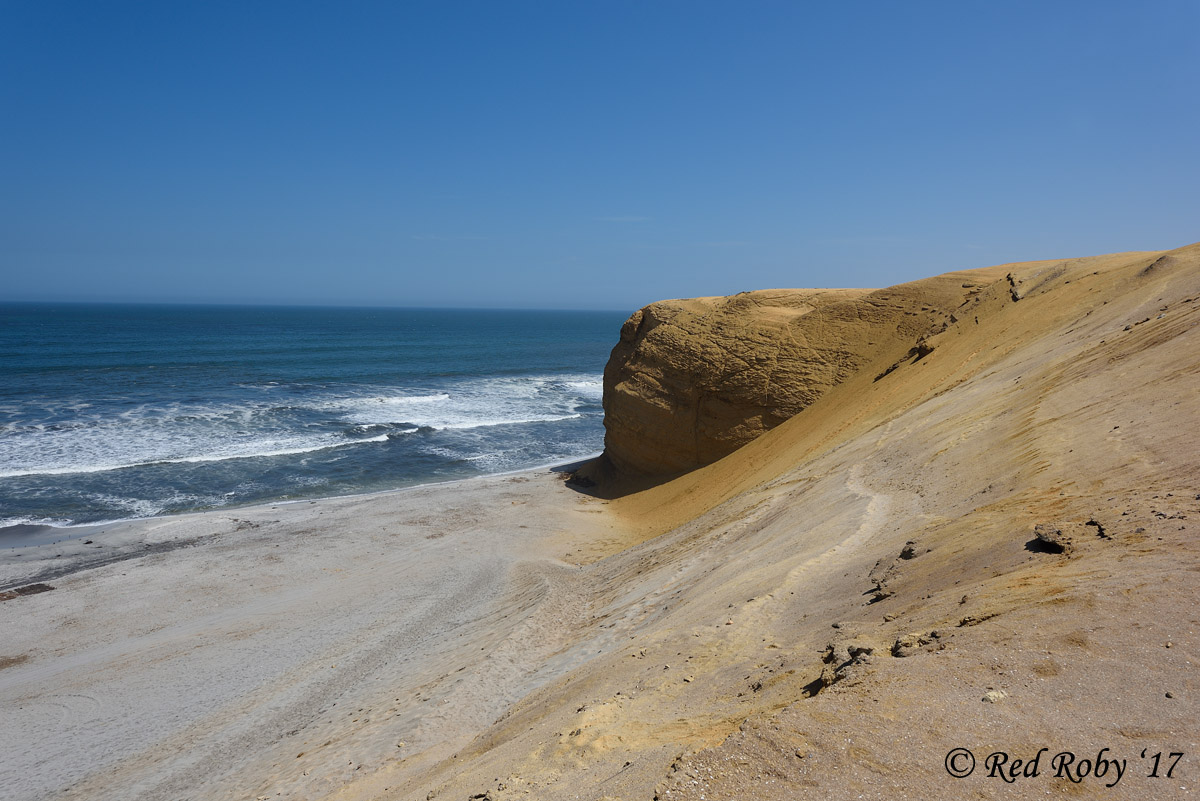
[693,380]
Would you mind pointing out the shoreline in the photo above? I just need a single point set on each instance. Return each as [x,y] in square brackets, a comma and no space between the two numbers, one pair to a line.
[99,544]
[37,531]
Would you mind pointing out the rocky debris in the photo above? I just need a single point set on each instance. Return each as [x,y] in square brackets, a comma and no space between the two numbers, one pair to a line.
[994,696]
[837,660]
[880,591]
[883,572]
[891,368]
[1050,538]
[1064,537]
[909,644]
[886,571]
[859,653]
[1013,291]
[1101,531]
[922,349]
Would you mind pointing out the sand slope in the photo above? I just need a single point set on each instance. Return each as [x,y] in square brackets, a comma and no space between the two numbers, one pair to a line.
[510,638]
[712,662]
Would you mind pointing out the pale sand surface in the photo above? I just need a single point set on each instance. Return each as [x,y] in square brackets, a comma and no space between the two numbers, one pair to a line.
[335,628]
[678,643]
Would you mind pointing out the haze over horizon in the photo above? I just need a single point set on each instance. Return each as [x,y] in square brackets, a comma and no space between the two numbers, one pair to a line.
[592,156]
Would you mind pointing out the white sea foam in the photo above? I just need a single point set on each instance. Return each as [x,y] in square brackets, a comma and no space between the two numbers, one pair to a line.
[279,422]
[591,389]
[483,402]
[252,451]
[5,522]
[503,422]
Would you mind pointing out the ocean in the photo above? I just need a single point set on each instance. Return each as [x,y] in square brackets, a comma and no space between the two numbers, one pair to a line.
[110,412]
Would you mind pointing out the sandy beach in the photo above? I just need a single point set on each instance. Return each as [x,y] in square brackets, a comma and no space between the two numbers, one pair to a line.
[990,547]
[338,628]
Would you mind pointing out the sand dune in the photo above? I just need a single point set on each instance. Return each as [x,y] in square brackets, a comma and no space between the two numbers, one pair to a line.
[1010,516]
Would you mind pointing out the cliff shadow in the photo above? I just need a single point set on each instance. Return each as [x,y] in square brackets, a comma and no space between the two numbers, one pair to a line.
[598,478]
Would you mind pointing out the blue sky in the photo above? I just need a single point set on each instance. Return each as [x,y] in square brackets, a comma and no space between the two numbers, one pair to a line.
[580,154]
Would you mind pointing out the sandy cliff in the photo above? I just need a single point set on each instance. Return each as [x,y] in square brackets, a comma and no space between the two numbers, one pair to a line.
[690,381]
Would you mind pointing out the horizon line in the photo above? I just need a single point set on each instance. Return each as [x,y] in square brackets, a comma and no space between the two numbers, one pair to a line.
[284,305]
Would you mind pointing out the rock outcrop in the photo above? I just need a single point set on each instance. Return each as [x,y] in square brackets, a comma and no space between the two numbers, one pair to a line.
[693,380]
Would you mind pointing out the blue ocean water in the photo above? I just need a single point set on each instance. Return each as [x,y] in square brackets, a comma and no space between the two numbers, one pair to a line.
[109,412]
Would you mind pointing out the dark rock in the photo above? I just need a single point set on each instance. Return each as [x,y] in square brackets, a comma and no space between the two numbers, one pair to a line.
[1049,538]
[909,644]
[1100,530]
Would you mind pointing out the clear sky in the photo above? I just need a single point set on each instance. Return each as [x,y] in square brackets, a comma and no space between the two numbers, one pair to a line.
[580,154]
